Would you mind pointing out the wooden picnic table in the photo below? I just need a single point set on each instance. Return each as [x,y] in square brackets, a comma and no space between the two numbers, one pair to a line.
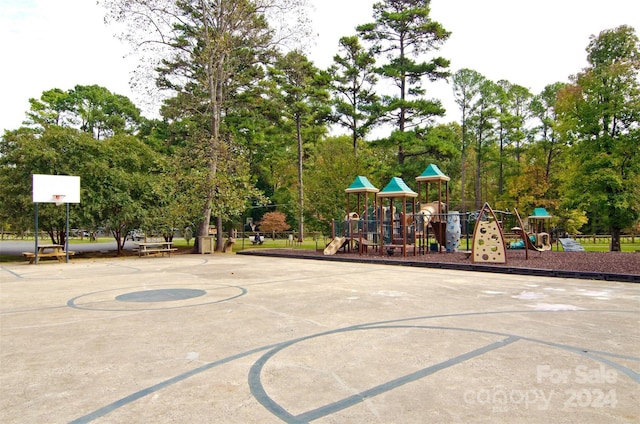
[48,251]
[149,247]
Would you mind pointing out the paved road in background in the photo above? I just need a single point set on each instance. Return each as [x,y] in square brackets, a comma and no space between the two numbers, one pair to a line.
[10,247]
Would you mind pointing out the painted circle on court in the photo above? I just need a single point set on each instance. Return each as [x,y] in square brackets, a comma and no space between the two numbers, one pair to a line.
[160,295]
[155,297]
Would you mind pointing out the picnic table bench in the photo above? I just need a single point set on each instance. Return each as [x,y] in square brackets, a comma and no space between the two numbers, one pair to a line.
[148,248]
[49,251]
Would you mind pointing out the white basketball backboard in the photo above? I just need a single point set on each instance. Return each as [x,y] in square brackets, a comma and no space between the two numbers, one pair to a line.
[56,189]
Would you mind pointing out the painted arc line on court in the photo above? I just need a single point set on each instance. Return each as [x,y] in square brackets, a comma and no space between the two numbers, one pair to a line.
[393,384]
[383,324]
[163,384]
[259,392]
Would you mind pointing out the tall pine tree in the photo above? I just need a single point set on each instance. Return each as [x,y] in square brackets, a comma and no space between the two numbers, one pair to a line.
[403,33]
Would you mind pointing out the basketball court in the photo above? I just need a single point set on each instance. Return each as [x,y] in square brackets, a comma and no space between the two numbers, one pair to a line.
[234,338]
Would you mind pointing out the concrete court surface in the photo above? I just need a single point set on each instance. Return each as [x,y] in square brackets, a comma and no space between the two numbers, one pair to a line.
[240,339]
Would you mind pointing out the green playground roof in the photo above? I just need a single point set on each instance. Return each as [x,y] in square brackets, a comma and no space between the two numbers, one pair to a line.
[361,185]
[397,188]
[432,173]
[540,213]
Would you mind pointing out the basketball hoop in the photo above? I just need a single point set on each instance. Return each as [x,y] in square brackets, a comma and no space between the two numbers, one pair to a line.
[58,199]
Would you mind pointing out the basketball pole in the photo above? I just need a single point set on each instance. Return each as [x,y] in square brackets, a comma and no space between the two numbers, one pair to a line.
[35,248]
[66,235]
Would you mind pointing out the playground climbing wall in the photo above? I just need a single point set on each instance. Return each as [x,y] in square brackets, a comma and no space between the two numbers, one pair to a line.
[488,240]
[453,231]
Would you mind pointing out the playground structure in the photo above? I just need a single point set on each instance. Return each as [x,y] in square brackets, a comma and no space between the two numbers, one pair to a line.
[434,212]
[397,219]
[540,228]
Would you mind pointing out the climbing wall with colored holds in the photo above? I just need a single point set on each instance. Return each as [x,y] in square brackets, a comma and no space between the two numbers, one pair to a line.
[488,240]
[453,231]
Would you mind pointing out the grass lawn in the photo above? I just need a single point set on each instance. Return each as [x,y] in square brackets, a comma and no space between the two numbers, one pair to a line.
[308,243]
[600,245]
[604,247]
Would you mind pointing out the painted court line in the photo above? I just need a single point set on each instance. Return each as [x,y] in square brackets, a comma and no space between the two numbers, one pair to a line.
[263,398]
[375,391]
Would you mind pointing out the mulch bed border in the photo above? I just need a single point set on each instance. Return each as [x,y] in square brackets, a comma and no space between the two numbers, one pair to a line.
[586,275]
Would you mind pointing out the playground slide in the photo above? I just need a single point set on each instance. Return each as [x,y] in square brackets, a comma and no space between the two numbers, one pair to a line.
[544,241]
[440,232]
[526,237]
[430,211]
[530,244]
[526,240]
[335,244]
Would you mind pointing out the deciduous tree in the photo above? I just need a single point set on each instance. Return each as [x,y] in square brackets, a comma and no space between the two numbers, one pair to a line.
[204,46]
[545,131]
[117,176]
[482,123]
[601,112]
[466,91]
[90,108]
[273,222]
[513,107]
[331,170]
[304,90]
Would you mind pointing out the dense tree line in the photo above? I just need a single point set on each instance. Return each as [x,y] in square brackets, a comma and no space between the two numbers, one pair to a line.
[244,129]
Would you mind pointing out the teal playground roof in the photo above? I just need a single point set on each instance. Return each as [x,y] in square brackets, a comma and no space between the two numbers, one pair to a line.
[540,213]
[361,185]
[432,173]
[397,188]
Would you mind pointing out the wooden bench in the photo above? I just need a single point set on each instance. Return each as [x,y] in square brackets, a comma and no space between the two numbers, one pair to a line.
[149,248]
[61,256]
[167,250]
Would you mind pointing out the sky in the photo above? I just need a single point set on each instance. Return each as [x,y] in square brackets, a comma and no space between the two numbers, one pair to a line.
[46,44]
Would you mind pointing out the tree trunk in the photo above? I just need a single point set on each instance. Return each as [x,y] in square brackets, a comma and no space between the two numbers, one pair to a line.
[300,187]
[214,87]
[355,143]
[219,238]
[463,179]
[203,228]
[120,241]
[501,166]
[463,159]
[478,182]
[615,239]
